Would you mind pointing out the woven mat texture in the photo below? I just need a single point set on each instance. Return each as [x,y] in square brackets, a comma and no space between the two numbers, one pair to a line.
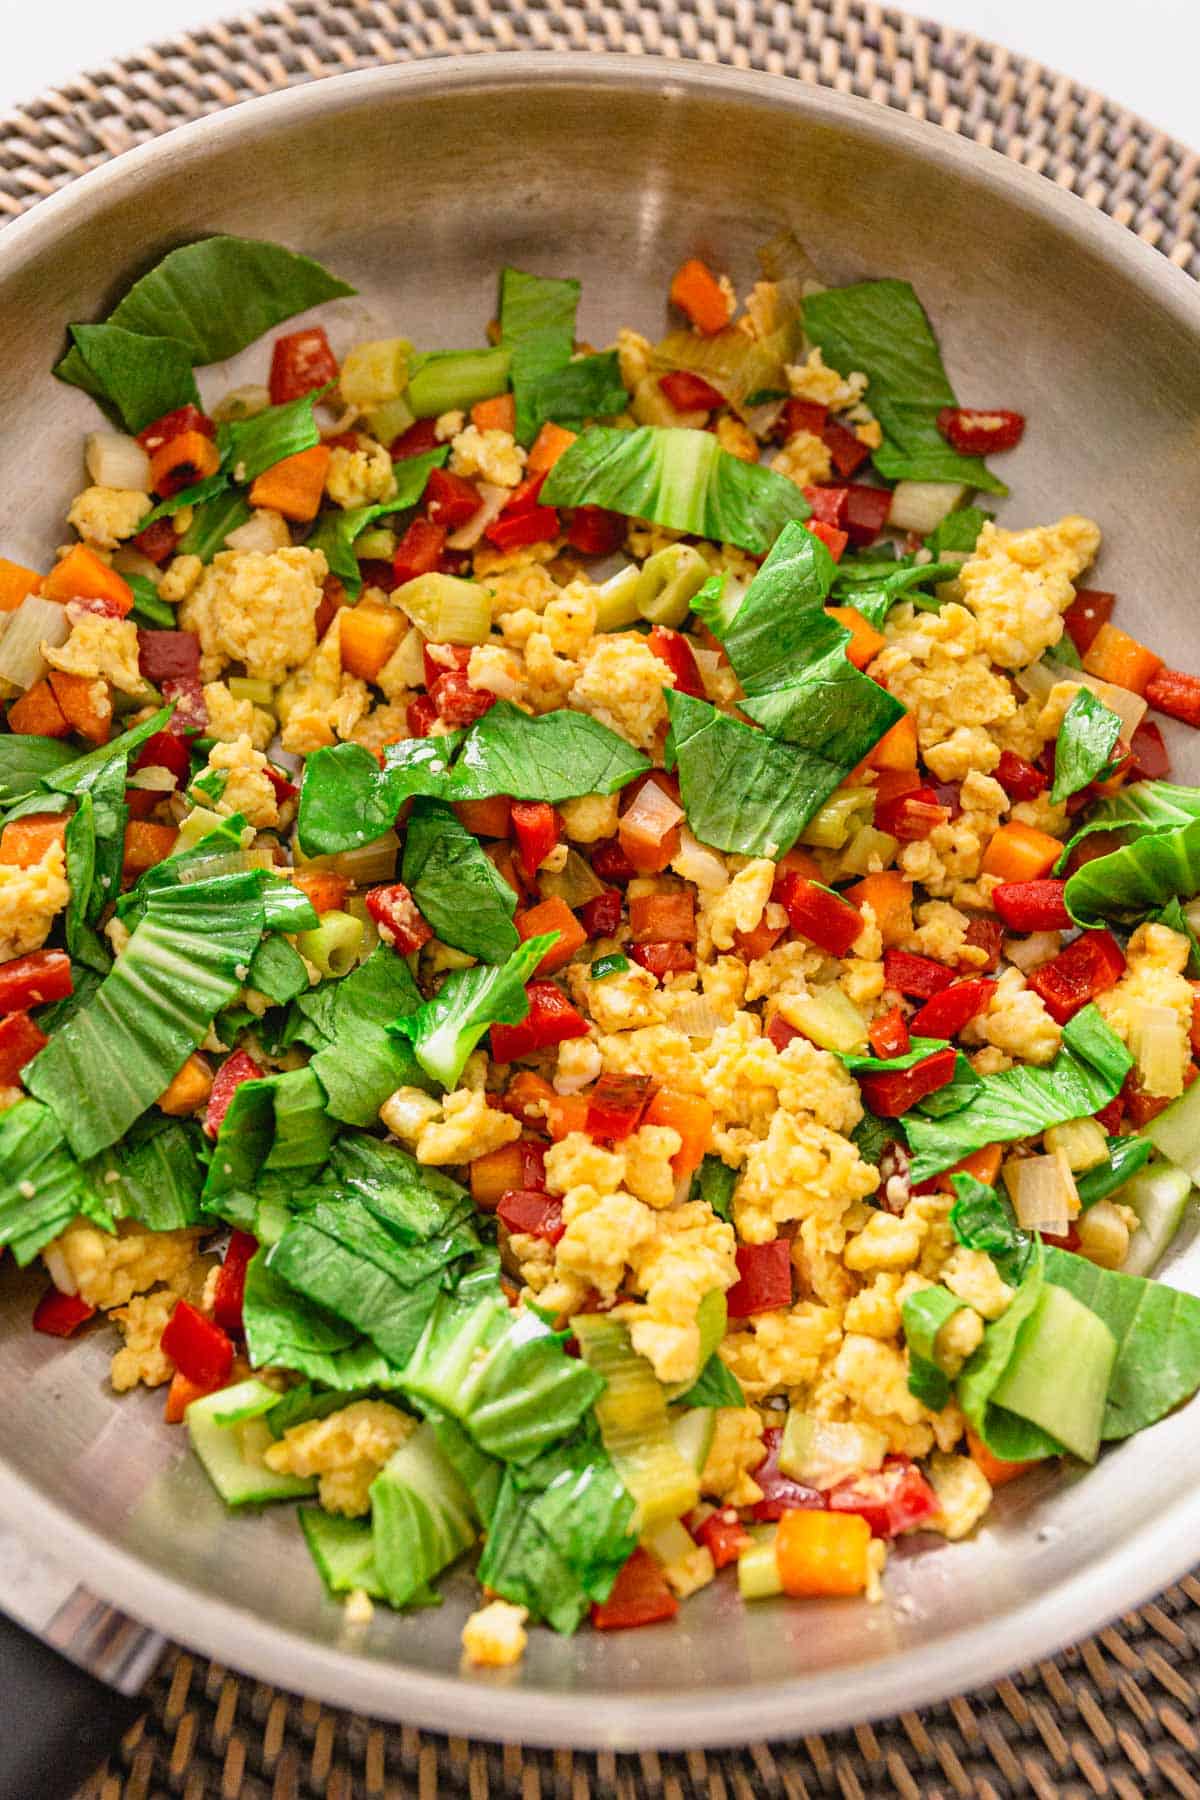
[1119,1715]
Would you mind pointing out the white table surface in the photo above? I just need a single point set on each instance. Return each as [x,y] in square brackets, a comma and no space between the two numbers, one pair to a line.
[1144,54]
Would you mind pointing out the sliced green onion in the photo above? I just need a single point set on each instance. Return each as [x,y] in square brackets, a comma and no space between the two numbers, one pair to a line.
[834,823]
[613,964]
[617,600]
[670,580]
[334,945]
[634,1423]
[446,609]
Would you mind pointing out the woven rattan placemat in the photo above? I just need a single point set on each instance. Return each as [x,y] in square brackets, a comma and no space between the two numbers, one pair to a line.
[1119,1715]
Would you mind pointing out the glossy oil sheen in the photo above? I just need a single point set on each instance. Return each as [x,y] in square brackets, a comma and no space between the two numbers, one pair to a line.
[417,183]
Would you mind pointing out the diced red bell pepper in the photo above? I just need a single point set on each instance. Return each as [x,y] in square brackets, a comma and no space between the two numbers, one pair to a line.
[610,863]
[595,531]
[197,1346]
[450,500]
[20,1041]
[1148,756]
[1020,780]
[664,959]
[1089,610]
[668,918]
[833,538]
[420,716]
[1032,905]
[456,701]
[534,526]
[524,497]
[237,1068]
[829,504]
[945,1015]
[616,1105]
[911,816]
[172,425]
[165,751]
[820,915]
[537,828]
[894,1091]
[444,659]
[300,362]
[780,1492]
[672,648]
[158,541]
[918,977]
[418,440]
[537,1215]
[186,695]
[690,393]
[601,917]
[892,1500]
[1172,692]
[230,1289]
[978,431]
[1141,1107]
[640,1596]
[34,980]
[284,789]
[867,510]
[551,1019]
[60,1315]
[1110,1117]
[986,935]
[847,451]
[1090,965]
[397,918]
[888,1035]
[764,1282]
[1070,1238]
[750,945]
[780,1033]
[801,415]
[723,1536]
[163,655]
[419,551]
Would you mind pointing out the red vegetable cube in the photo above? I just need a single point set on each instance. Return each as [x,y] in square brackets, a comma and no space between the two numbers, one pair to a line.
[764,1282]
[397,918]
[300,362]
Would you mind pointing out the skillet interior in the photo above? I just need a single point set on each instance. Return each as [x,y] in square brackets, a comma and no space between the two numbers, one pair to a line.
[418,183]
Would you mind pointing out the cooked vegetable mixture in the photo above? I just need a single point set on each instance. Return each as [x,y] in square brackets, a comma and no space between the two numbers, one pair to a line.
[622,991]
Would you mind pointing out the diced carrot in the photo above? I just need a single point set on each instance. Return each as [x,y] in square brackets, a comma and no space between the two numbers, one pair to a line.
[86,705]
[180,1395]
[1018,852]
[566,1113]
[370,634]
[891,783]
[865,642]
[897,748]
[547,447]
[183,460]
[553,915]
[994,1468]
[326,890]
[696,291]
[82,576]
[146,843]
[527,1098]
[1114,656]
[15,582]
[38,714]
[750,945]
[497,414]
[498,1172]
[187,1091]
[889,895]
[486,818]
[294,486]
[25,841]
[797,862]
[692,1117]
[983,1164]
[822,1552]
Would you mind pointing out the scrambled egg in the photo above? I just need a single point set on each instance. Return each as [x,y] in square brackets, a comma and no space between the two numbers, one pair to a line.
[99,649]
[493,456]
[811,380]
[1154,994]
[256,608]
[801,1170]
[107,1270]
[142,1320]
[183,572]
[964,1494]
[230,719]
[621,683]
[346,1450]
[1018,584]
[590,818]
[495,1636]
[104,516]
[779,1351]
[947,862]
[360,477]
[1015,1021]
[248,789]
[319,703]
[456,1129]
[29,900]
[740,905]
[935,665]
[735,1452]
[804,459]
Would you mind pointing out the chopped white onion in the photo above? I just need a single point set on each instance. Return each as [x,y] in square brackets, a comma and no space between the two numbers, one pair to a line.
[116,461]
[1040,677]
[921,506]
[35,622]
[364,866]
[1160,1048]
[821,1452]
[1042,1190]
[696,1016]
[574,881]
[652,815]
[1031,952]
[264,530]
[243,402]
[696,863]
[468,535]
[154,780]
[128,561]
[59,1270]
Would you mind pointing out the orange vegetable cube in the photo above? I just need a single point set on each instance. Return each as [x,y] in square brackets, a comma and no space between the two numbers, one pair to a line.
[889,895]
[692,1117]
[86,705]
[187,1091]
[865,642]
[993,1467]
[486,818]
[897,748]
[527,1097]
[497,414]
[983,1164]
[15,582]
[552,915]
[1114,656]
[1018,852]
[370,634]
[81,575]
[499,1171]
[183,460]
[146,843]
[38,714]
[294,486]
[547,447]
[566,1113]
[696,291]
[326,890]
[822,1553]
[25,841]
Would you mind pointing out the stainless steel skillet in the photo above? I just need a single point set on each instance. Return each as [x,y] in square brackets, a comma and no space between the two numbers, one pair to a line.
[417,183]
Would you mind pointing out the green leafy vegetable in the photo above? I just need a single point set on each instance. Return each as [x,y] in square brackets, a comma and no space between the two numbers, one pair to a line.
[248,446]
[286,1331]
[713,1182]
[358,1061]
[148,610]
[872,1135]
[714,1386]
[95,850]
[25,763]
[337,532]
[537,325]
[1060,1334]
[458,889]
[1086,740]
[343,1549]
[862,1062]
[1141,877]
[185,960]
[1143,806]
[881,328]
[83,772]
[923,1314]
[445,1030]
[982,1219]
[135,378]
[42,1187]
[611,964]
[214,520]
[278,971]
[156,1176]
[1007,1436]
[588,387]
[962,1088]
[421,1518]
[678,478]
[958,532]
[441,381]
[1126,1156]
[874,591]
